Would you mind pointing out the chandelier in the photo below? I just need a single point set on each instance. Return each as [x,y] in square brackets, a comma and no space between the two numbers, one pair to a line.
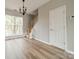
[23,9]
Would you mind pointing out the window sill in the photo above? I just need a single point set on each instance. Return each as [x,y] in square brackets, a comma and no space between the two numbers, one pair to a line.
[14,37]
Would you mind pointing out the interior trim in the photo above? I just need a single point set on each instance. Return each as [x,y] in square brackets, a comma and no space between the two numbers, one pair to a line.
[70,52]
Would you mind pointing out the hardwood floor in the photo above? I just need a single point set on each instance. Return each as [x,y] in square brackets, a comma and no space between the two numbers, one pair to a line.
[32,49]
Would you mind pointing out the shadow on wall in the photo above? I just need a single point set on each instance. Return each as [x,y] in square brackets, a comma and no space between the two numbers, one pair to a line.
[32,21]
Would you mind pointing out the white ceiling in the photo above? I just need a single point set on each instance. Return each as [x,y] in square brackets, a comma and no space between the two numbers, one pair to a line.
[30,4]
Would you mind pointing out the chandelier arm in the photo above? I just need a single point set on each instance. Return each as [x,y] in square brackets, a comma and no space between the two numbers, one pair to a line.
[23,9]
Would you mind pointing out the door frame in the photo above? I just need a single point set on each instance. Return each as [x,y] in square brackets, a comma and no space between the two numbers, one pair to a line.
[65,48]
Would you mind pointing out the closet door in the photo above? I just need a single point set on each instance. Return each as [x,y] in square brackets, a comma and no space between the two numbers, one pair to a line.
[57,26]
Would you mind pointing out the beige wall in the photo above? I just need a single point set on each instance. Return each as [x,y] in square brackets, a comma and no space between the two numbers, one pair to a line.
[41,28]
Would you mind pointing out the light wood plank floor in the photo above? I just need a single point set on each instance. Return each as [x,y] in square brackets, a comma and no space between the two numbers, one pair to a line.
[32,49]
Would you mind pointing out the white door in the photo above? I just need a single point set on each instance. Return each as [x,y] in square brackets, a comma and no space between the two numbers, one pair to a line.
[57,26]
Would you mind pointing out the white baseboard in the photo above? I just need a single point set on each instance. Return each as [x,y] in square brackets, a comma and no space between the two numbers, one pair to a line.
[41,41]
[71,52]
[14,37]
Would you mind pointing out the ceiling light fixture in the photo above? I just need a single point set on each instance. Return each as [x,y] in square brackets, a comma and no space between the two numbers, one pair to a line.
[23,9]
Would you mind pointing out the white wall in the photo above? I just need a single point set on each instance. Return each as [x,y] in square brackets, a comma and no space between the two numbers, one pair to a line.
[70,25]
[41,28]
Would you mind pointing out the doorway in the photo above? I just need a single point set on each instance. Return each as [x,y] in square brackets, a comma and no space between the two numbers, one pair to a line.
[57,27]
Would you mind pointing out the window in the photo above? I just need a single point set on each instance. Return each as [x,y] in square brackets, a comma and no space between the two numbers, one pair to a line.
[13,25]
